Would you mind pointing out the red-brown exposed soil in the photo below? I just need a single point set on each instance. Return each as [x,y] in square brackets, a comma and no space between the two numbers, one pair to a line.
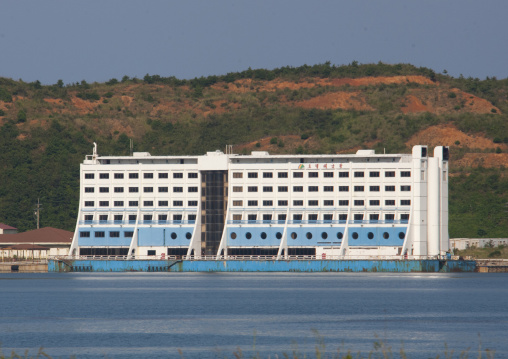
[335,100]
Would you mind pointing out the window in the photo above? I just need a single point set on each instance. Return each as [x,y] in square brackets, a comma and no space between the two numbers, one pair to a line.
[103,218]
[267,175]
[252,189]
[297,203]
[177,218]
[89,189]
[268,203]
[342,217]
[374,188]
[374,202]
[88,217]
[104,175]
[328,188]
[237,189]
[177,174]
[133,203]
[404,216]
[405,173]
[389,216]
[133,189]
[163,203]
[147,175]
[178,189]
[118,175]
[359,174]
[297,217]
[252,175]
[405,202]
[148,203]
[252,217]
[118,189]
[237,203]
[390,188]
[148,189]
[192,175]
[282,175]
[313,174]
[328,174]
[374,216]
[252,203]
[177,203]
[359,188]
[328,202]
[327,217]
[89,203]
[358,217]
[118,203]
[313,188]
[192,203]
[282,203]
[132,217]
[390,174]
[313,202]
[133,175]
[389,202]
[128,234]
[343,188]
[104,203]
[104,189]
[163,189]
[359,202]
[162,217]
[312,217]
[163,175]
[405,188]
[343,202]
[89,176]
[297,188]
[237,175]
[267,217]
[84,234]
[343,174]
[147,217]
[297,174]
[114,234]
[268,189]
[151,252]
[99,234]
[373,174]
[193,189]
[192,217]
[281,217]
[283,188]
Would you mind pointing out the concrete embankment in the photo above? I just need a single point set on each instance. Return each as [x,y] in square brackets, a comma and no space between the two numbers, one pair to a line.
[23,267]
[492,265]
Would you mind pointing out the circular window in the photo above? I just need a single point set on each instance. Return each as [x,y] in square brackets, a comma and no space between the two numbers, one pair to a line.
[293,235]
[339,235]
[188,235]
[402,235]
[355,235]
[386,235]
[173,235]
[248,235]
[263,235]
[278,235]
[309,235]
[370,235]
[233,235]
[324,235]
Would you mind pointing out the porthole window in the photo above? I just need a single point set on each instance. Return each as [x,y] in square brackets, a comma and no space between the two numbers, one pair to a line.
[386,235]
[293,235]
[248,235]
[355,235]
[233,235]
[173,235]
[309,235]
[370,235]
[402,235]
[278,235]
[324,235]
[188,235]
[339,235]
[263,235]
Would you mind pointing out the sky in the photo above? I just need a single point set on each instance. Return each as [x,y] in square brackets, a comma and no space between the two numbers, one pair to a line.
[96,41]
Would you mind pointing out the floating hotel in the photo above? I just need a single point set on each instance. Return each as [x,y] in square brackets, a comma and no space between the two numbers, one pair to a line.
[226,206]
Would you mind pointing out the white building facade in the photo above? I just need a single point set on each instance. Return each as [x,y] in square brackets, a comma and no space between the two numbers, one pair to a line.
[364,205]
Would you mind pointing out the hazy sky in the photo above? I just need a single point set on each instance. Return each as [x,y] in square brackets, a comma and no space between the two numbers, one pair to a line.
[100,40]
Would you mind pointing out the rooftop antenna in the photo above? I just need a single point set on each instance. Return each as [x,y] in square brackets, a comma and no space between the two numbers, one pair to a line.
[131,146]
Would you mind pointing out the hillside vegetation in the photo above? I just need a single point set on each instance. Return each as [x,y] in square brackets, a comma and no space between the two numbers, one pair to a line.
[47,130]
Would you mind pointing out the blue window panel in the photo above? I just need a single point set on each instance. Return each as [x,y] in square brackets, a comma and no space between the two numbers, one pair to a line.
[316,239]
[150,237]
[106,240]
[180,236]
[256,239]
[378,236]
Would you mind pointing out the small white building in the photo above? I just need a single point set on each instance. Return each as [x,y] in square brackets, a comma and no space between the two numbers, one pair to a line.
[36,244]
[6,229]
[465,243]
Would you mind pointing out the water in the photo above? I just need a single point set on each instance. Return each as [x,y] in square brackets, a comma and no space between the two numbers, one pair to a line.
[210,315]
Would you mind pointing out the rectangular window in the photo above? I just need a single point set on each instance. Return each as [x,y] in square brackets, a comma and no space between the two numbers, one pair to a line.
[252,175]
[297,174]
[133,175]
[84,234]
[343,188]
[374,202]
[151,252]
[282,175]
[281,217]
[328,202]
[163,203]
[99,234]
[359,188]
[359,174]
[268,203]
[327,217]
[405,202]
[313,202]
[104,189]
[89,176]
[342,217]
[237,203]
[162,217]
[114,234]
[89,189]
[390,174]
[192,189]
[252,189]
[148,203]
[104,203]
[237,175]
[328,175]
[313,174]
[178,189]
[252,217]
[192,203]
[133,203]
[297,217]
[358,217]
[192,175]
[374,188]
[132,217]
[104,175]
[163,175]
[313,188]
[328,188]
[312,217]
[297,188]
[267,175]
[118,203]
[389,202]
[404,216]
[177,203]
[89,203]
[374,174]
[177,174]
[343,174]
[177,218]
[389,217]
[88,217]
[283,188]
[282,203]
[359,202]
[163,189]
[267,217]
[128,234]
[103,218]
[118,189]
[118,218]
[374,216]
[133,189]
[147,217]
[268,189]
[237,189]
[343,202]
[148,189]
[390,188]
[405,173]
[297,203]
[118,175]
[405,188]
[252,203]
[147,175]
[192,218]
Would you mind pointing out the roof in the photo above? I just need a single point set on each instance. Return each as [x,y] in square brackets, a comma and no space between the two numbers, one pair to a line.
[43,235]
[5,226]
[28,246]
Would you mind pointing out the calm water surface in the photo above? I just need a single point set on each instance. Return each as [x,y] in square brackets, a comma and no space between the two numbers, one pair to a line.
[209,315]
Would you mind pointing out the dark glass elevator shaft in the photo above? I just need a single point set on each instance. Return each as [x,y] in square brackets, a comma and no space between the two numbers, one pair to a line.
[214,199]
